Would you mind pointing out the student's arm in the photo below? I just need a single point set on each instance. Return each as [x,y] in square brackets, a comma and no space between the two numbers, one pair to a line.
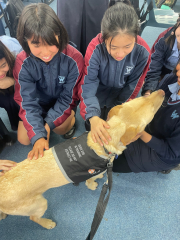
[89,105]
[68,98]
[145,137]
[166,148]
[155,67]
[25,96]
[6,82]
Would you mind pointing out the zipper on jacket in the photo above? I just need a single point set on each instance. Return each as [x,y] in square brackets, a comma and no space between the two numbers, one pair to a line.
[50,82]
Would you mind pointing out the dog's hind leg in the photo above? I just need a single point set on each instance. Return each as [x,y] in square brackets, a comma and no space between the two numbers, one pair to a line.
[2,215]
[37,211]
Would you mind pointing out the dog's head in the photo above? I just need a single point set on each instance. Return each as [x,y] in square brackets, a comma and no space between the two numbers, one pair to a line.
[131,118]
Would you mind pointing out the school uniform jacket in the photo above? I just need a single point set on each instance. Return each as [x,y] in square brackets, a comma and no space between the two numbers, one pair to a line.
[107,82]
[39,84]
[160,52]
[165,126]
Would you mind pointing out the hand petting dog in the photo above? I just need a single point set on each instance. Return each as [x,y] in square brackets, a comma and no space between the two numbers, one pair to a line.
[98,131]
[6,165]
[40,145]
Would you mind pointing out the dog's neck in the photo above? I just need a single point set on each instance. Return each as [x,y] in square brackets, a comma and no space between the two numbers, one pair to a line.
[97,148]
[115,146]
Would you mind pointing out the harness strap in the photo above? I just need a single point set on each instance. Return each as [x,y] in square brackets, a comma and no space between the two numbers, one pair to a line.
[102,203]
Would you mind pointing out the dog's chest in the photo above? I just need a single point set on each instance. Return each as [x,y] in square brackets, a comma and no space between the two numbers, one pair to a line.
[77,161]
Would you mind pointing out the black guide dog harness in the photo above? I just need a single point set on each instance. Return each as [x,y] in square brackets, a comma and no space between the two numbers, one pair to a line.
[77,161]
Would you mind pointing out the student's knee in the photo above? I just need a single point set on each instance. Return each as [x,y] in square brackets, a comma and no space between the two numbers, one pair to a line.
[23,140]
[65,127]
[61,130]
[22,134]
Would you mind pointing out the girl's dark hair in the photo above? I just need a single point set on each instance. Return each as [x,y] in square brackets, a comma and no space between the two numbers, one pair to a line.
[40,21]
[112,2]
[10,59]
[171,39]
[119,18]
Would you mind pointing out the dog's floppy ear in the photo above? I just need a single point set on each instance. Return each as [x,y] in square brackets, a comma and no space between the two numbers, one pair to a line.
[131,132]
[116,130]
[114,111]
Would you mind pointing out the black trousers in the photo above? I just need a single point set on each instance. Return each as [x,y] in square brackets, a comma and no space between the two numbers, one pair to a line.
[120,164]
[3,129]
[82,19]
[12,108]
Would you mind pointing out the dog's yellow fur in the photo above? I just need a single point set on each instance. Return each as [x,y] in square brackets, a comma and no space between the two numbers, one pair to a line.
[22,187]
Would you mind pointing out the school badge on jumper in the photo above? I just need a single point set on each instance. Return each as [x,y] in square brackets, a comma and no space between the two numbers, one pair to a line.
[61,79]
[174,115]
[128,70]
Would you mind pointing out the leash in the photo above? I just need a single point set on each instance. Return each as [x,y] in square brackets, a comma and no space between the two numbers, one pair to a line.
[102,202]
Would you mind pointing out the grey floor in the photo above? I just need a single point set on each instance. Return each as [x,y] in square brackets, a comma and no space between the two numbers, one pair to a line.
[142,206]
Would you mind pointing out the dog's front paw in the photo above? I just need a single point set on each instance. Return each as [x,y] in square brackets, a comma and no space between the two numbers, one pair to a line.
[92,185]
[47,223]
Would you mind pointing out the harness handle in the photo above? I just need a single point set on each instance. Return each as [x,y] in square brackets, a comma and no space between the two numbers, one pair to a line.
[102,203]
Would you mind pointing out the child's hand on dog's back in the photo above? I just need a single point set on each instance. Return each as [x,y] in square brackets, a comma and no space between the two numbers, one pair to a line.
[38,148]
[6,165]
[98,131]
[40,145]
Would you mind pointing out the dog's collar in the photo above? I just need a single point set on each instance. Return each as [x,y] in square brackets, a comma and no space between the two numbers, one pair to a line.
[110,155]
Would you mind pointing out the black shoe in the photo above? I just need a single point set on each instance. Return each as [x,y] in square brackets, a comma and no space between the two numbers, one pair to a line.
[71,132]
[2,145]
[165,171]
[8,140]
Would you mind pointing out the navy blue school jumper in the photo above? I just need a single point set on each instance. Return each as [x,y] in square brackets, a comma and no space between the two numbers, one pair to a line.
[162,152]
[160,52]
[107,82]
[82,19]
[47,93]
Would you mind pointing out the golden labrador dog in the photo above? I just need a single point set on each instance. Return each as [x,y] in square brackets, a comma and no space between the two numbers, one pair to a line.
[22,187]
